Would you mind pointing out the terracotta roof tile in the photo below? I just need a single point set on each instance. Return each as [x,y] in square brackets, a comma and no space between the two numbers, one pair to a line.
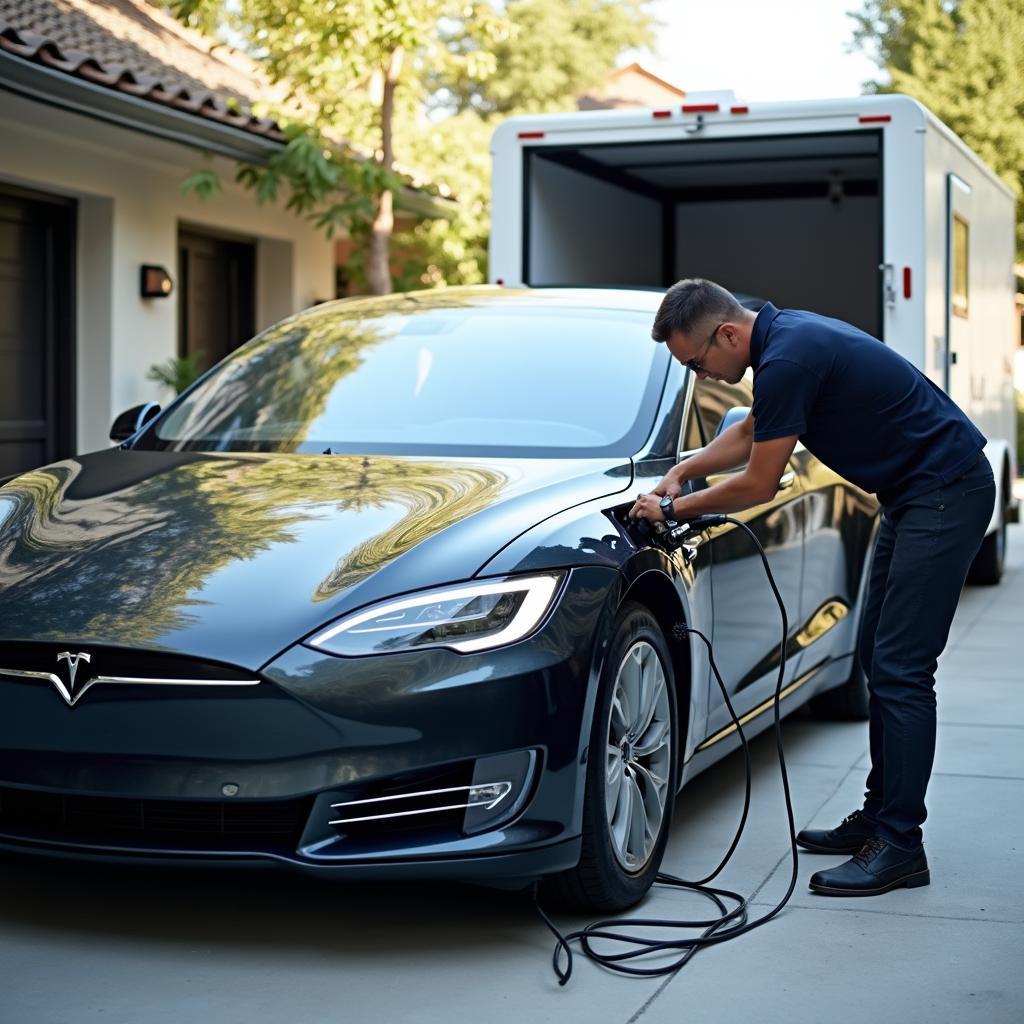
[137,48]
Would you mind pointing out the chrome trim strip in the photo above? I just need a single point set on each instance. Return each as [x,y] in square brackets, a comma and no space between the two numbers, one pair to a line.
[507,788]
[760,709]
[421,792]
[402,814]
[72,698]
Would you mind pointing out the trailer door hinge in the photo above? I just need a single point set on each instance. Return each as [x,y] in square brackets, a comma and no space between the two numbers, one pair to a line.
[888,288]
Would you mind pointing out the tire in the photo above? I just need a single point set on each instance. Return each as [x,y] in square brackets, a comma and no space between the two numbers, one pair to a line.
[847,702]
[618,864]
[987,568]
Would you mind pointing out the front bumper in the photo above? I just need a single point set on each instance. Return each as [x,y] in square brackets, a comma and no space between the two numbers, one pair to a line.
[252,772]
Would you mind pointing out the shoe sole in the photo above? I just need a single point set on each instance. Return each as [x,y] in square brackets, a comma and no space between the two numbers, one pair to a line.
[909,881]
[813,848]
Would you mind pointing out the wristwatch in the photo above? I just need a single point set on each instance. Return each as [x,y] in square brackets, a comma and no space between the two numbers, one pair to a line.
[666,507]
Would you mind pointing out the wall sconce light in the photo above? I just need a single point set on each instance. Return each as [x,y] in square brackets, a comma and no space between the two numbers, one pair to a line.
[155,282]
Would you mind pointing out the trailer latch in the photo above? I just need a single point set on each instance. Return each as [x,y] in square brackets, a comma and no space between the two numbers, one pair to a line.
[888,288]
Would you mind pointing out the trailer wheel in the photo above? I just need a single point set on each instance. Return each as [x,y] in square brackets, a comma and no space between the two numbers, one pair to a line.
[987,568]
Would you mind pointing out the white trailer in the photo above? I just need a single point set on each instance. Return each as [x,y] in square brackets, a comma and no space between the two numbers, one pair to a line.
[868,209]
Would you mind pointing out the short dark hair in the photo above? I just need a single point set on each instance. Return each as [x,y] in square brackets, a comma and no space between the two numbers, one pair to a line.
[688,303]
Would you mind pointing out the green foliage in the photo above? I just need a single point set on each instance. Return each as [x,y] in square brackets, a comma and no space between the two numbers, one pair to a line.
[468,63]
[178,373]
[203,183]
[964,59]
[555,50]
[443,252]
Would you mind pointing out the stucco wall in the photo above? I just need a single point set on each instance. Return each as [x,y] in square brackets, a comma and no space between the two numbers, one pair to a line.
[130,206]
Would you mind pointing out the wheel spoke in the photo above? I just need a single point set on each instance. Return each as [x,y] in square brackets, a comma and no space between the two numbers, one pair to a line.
[654,784]
[656,737]
[630,681]
[619,726]
[653,686]
[636,840]
[613,780]
[620,821]
[653,794]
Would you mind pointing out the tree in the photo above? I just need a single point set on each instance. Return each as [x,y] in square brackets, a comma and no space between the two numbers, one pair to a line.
[416,82]
[554,51]
[344,62]
[964,59]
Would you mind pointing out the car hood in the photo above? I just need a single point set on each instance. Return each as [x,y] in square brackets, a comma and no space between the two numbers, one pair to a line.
[234,557]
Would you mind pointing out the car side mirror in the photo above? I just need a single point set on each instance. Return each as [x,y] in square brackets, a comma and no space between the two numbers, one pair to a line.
[735,415]
[132,421]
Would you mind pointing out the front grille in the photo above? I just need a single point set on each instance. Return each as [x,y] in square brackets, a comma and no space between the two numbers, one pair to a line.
[192,824]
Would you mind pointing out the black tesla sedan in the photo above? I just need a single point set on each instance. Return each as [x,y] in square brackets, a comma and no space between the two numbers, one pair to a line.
[364,600]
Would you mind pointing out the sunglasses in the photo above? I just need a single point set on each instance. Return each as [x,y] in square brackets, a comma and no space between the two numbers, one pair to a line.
[695,363]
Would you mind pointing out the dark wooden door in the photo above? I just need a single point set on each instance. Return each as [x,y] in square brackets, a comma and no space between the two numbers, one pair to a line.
[216,295]
[36,344]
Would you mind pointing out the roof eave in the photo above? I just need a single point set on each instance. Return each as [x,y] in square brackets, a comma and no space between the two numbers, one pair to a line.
[59,89]
[79,96]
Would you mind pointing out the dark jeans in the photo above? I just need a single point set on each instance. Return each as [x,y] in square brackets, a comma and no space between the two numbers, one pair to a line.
[925,547]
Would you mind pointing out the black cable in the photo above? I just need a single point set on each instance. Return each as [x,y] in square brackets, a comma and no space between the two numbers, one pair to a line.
[730,923]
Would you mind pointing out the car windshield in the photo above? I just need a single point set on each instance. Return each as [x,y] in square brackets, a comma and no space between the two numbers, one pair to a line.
[496,378]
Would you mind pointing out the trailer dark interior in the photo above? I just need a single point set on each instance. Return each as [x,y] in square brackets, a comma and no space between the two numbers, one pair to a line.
[796,219]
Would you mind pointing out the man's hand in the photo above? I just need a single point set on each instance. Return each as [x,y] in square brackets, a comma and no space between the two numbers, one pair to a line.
[647,506]
[670,483]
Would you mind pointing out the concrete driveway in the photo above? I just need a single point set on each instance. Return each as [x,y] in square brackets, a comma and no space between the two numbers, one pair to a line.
[81,943]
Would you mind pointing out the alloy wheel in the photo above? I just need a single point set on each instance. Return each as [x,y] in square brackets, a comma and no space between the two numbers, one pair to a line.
[638,756]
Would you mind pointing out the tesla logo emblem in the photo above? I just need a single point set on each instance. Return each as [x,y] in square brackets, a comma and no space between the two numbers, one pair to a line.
[72,660]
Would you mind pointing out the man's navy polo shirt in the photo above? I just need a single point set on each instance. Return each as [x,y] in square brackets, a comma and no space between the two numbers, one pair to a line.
[857,405]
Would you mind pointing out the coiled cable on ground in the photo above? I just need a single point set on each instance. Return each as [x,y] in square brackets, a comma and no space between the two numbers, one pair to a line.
[729,924]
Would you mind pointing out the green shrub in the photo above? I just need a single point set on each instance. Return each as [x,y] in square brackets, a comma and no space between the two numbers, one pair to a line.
[177,373]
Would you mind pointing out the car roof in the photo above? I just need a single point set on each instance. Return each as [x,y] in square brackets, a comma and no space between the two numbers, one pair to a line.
[631,299]
[482,296]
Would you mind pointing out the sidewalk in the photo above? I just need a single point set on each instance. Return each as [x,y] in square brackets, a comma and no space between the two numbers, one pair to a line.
[80,943]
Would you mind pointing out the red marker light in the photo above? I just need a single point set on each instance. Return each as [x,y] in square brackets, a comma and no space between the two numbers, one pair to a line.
[875,119]
[739,110]
[531,135]
[661,113]
[906,282]
[700,108]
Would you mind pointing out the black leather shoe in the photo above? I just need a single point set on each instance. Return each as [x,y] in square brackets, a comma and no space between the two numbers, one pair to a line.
[876,868]
[847,837]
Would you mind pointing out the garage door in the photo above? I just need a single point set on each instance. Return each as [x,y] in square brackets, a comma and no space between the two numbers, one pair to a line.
[36,352]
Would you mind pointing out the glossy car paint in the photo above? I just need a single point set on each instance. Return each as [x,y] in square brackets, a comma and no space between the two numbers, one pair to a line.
[204,562]
[235,557]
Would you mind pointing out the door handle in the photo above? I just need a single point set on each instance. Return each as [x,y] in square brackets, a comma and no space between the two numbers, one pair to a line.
[786,480]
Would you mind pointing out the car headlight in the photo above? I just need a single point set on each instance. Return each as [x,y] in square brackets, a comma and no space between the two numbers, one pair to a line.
[469,617]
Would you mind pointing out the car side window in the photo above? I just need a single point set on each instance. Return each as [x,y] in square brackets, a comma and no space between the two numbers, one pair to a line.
[714,398]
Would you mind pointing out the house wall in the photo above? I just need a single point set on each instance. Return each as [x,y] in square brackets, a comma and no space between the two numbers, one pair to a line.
[130,206]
